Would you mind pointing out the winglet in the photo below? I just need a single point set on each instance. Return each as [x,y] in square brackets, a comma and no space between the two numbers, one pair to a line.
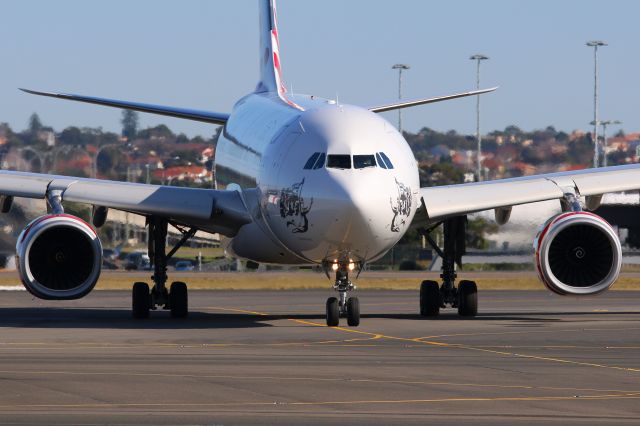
[417,102]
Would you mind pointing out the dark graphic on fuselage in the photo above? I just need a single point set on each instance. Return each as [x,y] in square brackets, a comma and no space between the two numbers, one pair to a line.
[293,208]
[401,208]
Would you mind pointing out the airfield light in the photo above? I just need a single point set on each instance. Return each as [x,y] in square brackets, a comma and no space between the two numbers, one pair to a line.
[595,44]
[478,58]
[400,68]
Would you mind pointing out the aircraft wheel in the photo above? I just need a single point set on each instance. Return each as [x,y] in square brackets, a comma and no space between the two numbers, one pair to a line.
[141,300]
[429,299]
[353,312]
[178,300]
[467,298]
[333,312]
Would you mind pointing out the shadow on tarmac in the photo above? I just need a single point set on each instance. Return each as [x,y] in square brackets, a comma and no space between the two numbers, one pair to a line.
[88,318]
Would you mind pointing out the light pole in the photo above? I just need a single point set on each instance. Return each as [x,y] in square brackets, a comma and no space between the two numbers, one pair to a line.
[400,68]
[604,125]
[478,58]
[595,44]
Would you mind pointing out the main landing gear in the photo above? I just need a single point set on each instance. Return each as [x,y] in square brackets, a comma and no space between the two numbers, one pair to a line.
[345,306]
[176,298]
[434,296]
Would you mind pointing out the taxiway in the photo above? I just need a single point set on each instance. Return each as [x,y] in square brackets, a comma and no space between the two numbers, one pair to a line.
[266,357]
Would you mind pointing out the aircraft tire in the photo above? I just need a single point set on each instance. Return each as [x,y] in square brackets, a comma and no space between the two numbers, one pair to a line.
[333,312]
[179,300]
[429,299]
[467,299]
[140,300]
[353,312]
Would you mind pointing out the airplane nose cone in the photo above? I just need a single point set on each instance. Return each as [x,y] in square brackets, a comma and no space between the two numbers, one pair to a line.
[332,214]
[356,212]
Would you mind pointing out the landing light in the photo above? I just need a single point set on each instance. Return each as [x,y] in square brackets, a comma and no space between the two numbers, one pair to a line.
[334,266]
[352,266]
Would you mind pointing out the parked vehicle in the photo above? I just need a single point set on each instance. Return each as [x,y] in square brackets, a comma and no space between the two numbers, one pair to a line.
[137,261]
[184,265]
[107,264]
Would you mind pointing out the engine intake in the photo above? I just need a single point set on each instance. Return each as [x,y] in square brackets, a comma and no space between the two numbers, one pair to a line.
[59,256]
[577,253]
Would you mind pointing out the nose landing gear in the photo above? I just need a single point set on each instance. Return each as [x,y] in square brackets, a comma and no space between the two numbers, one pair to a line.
[344,305]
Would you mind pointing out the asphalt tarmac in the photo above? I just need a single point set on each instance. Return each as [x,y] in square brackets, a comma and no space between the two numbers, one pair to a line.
[248,357]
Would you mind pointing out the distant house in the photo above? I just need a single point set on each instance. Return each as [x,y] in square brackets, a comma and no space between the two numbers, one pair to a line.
[4,133]
[48,136]
[624,143]
[193,173]
[207,154]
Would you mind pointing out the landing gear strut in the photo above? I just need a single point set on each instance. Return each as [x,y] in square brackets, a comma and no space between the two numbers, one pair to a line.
[176,298]
[465,296]
[345,306]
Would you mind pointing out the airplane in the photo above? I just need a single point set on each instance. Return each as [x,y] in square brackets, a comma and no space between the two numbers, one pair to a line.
[311,181]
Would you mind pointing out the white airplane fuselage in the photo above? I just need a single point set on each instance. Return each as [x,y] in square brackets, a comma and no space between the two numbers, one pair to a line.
[318,213]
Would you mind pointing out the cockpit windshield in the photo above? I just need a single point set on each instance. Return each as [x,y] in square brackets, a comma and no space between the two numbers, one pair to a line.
[343,161]
[316,161]
[339,161]
[362,161]
[383,160]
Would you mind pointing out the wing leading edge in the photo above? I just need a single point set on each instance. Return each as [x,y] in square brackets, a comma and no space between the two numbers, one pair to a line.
[209,210]
[416,102]
[188,114]
[453,200]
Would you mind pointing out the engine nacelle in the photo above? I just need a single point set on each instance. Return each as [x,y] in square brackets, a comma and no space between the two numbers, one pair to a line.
[59,256]
[577,253]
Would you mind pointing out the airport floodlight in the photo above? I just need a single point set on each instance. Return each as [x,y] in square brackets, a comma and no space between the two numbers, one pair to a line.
[604,124]
[478,58]
[400,68]
[595,44]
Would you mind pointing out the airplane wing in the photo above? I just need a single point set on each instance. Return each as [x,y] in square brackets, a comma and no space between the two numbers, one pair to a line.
[416,102]
[452,200]
[211,210]
[188,114]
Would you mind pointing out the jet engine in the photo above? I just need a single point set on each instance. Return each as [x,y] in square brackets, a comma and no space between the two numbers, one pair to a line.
[59,256]
[577,253]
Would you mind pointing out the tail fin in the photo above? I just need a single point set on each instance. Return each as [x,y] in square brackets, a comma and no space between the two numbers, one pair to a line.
[270,71]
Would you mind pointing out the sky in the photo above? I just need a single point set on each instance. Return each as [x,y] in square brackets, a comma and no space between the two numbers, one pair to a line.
[204,55]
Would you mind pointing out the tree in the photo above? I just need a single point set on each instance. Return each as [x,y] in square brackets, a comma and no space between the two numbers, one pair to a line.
[35,125]
[71,136]
[129,124]
[477,229]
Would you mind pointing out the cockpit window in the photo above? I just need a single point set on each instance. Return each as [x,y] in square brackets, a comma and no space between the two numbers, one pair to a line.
[311,161]
[380,161]
[362,161]
[386,160]
[339,161]
[320,163]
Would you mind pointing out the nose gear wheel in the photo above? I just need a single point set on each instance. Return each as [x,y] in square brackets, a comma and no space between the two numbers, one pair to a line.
[343,305]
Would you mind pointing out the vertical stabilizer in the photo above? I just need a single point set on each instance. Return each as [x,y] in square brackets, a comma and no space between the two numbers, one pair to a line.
[270,68]
[270,71]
